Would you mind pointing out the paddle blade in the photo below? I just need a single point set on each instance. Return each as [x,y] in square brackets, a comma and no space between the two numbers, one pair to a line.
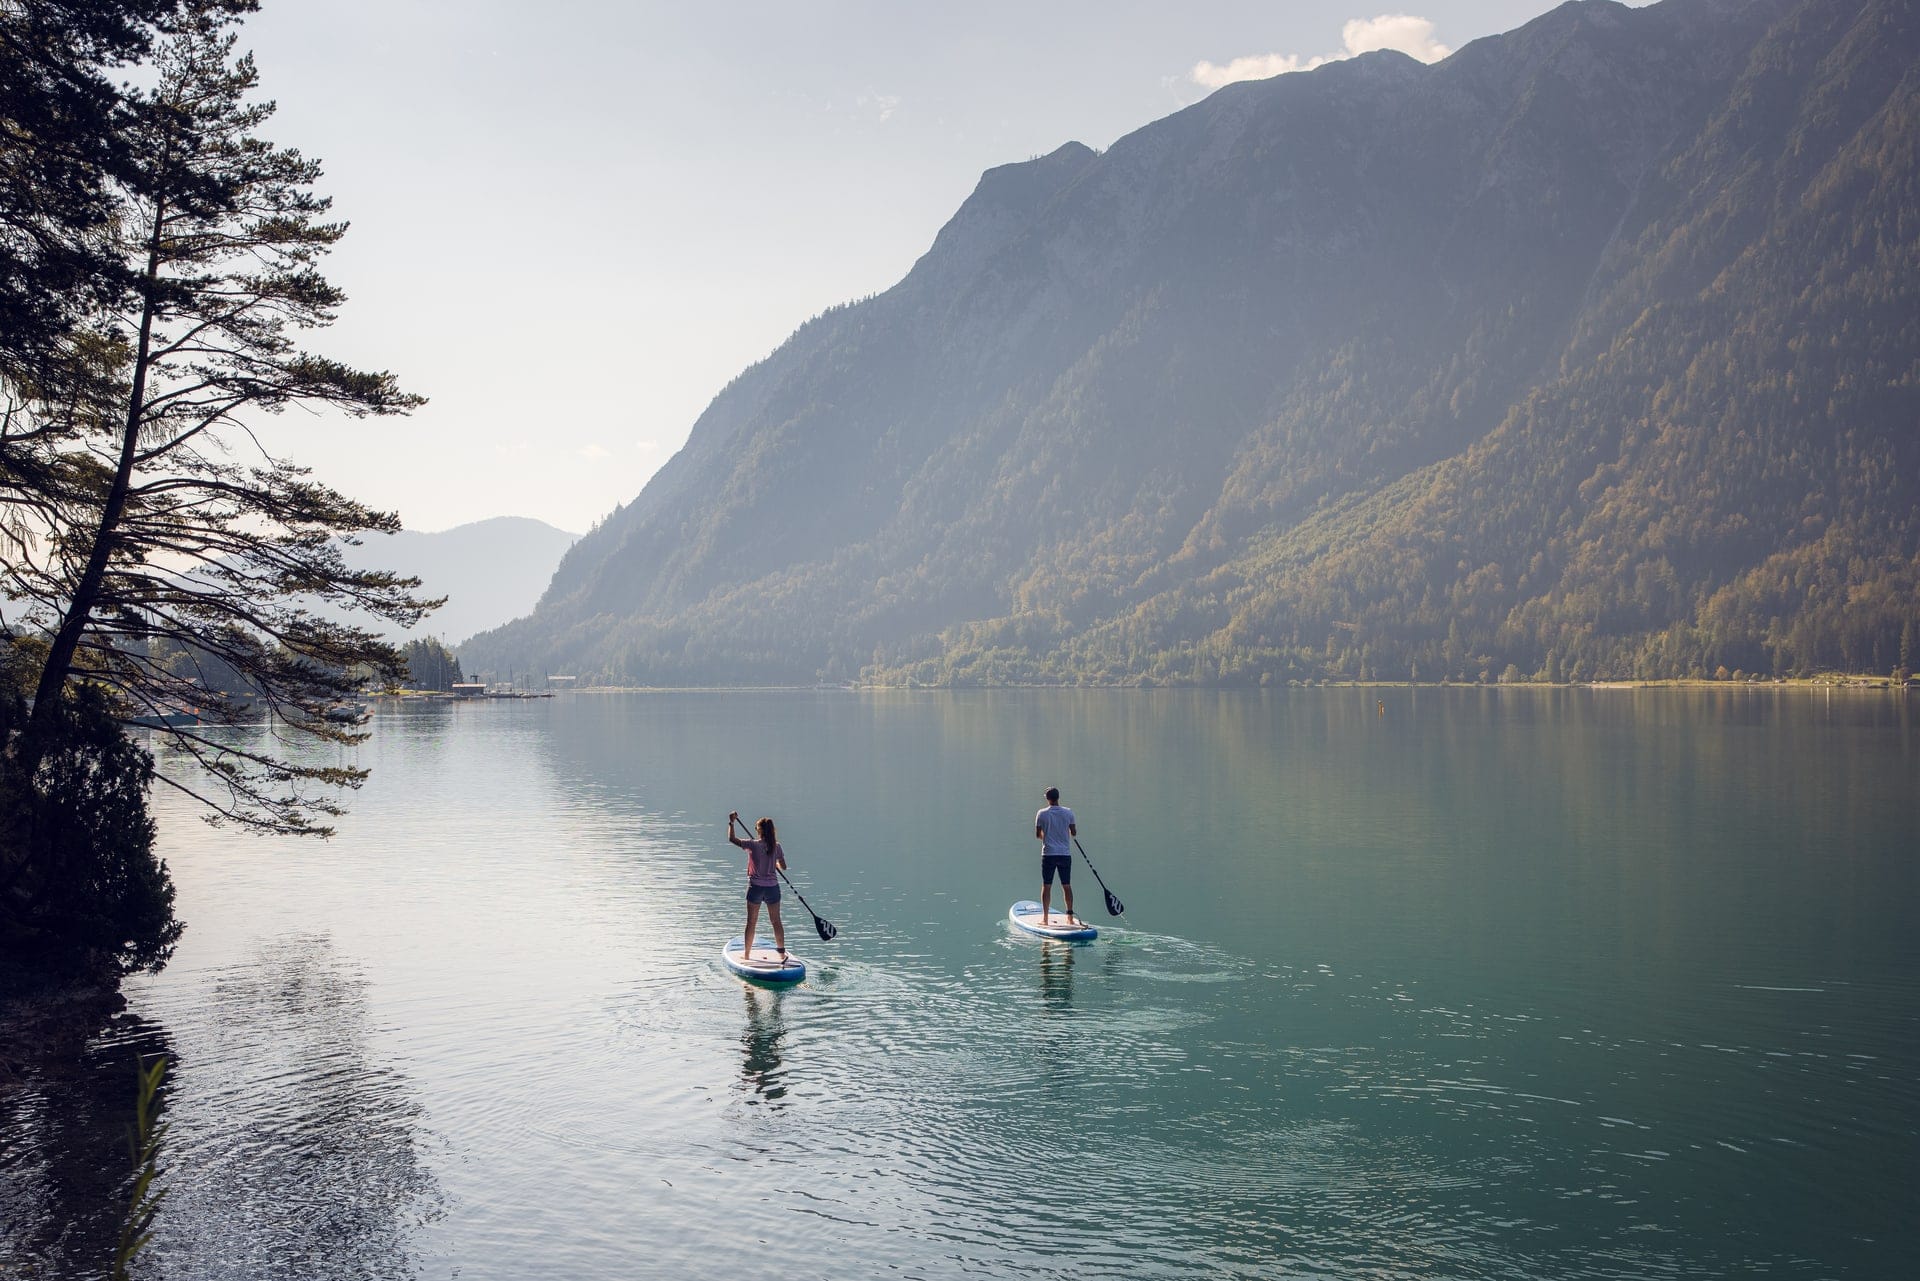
[1114,906]
[826,928]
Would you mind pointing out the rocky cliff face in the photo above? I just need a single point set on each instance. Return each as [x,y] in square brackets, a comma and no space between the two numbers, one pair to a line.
[1545,356]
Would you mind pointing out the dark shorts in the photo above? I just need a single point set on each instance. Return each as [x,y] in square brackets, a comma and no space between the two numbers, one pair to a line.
[763,893]
[1061,863]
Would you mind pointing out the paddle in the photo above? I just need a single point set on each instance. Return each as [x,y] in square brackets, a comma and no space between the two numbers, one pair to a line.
[827,928]
[1114,906]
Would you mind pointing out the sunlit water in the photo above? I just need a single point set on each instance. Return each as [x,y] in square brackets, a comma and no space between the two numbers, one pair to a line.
[1499,983]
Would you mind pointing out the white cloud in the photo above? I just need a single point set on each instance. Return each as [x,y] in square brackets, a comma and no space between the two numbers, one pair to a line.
[1410,35]
[1260,66]
[594,451]
[881,104]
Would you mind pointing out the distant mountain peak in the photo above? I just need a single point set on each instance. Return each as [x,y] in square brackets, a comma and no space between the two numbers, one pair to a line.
[526,524]
[491,571]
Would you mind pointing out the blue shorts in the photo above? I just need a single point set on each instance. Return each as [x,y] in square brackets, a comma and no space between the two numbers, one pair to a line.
[763,893]
[1061,863]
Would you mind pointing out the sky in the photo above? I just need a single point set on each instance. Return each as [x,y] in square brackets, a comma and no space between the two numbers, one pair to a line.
[574,222]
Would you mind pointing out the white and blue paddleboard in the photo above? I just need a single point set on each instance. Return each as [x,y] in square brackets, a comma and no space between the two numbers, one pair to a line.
[1026,915]
[765,965]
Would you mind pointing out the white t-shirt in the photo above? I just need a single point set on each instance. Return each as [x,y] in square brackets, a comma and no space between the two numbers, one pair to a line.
[1055,821]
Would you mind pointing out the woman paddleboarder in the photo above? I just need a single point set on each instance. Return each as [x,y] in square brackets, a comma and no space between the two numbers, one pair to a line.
[765,859]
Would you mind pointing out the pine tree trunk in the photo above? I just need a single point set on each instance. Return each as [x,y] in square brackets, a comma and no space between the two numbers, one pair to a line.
[66,640]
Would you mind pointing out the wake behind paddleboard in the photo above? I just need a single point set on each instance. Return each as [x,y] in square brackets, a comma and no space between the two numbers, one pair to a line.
[764,966]
[1026,915]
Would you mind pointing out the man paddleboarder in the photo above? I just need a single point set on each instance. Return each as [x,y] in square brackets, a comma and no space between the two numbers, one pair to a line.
[1053,828]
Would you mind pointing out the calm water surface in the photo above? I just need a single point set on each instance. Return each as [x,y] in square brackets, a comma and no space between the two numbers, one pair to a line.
[1501,983]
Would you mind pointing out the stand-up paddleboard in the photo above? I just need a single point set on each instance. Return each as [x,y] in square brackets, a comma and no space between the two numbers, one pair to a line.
[1026,915]
[764,966]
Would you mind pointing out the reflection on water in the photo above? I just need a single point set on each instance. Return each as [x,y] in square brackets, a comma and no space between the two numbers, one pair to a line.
[760,1065]
[1056,973]
[289,1140]
[67,1093]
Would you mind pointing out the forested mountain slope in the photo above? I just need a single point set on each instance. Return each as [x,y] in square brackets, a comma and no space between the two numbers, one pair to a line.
[1593,349]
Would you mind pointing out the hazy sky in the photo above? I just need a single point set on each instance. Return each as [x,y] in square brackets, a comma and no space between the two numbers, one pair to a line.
[574,221]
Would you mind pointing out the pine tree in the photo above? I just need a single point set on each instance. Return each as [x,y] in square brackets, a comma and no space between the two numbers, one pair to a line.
[59,150]
[171,529]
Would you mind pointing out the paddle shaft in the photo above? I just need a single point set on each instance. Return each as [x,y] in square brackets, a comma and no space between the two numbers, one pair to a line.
[797,894]
[825,928]
[1114,906]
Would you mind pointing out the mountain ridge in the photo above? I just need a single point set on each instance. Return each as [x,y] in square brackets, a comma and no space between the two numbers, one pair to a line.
[1302,379]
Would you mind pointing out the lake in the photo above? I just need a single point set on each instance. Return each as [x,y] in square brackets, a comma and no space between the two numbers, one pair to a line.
[1527,983]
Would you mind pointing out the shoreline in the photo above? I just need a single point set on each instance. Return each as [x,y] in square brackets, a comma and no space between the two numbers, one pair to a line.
[1856,682]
